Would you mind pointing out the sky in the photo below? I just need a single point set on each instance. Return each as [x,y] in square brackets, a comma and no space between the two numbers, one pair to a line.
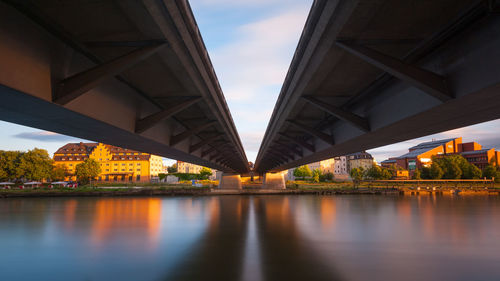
[251,44]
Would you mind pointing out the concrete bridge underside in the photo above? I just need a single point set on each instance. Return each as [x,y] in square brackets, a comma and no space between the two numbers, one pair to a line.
[372,73]
[134,74]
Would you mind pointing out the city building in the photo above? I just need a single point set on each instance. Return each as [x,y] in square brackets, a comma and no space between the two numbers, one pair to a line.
[117,164]
[185,167]
[359,160]
[188,168]
[389,162]
[344,164]
[325,166]
[340,167]
[421,155]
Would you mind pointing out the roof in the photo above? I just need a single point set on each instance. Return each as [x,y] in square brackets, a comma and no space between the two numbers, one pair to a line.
[415,153]
[431,144]
[389,161]
[88,147]
[361,155]
[77,147]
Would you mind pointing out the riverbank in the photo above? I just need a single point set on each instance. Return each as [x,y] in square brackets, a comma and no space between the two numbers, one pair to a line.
[207,191]
[106,192]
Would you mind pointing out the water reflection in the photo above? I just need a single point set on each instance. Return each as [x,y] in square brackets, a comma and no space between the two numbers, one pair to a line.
[251,238]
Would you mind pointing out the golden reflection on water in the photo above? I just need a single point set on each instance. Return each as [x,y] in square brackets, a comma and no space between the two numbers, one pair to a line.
[115,214]
[328,212]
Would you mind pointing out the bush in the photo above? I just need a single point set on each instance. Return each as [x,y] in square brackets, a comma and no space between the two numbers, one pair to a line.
[326,177]
[162,176]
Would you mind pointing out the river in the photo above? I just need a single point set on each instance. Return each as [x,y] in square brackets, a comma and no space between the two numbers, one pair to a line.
[276,237]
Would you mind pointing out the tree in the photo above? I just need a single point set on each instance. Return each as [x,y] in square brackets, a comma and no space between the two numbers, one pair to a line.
[386,174]
[87,170]
[316,174]
[326,177]
[34,165]
[172,169]
[58,172]
[373,173]
[9,161]
[456,167]
[436,172]
[472,172]
[302,172]
[205,173]
[426,173]
[489,172]
[356,175]
[417,175]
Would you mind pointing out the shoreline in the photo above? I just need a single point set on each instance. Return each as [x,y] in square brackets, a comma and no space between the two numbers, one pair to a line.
[185,192]
[120,192]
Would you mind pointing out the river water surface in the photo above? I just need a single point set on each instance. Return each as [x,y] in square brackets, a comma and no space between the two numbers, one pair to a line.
[251,238]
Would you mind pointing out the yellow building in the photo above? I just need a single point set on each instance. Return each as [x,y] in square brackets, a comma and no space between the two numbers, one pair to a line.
[117,164]
[185,167]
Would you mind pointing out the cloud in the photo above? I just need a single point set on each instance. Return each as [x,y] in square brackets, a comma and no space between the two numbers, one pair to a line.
[45,136]
[260,55]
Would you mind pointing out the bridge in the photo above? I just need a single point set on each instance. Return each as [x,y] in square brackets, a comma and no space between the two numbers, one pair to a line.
[135,74]
[372,73]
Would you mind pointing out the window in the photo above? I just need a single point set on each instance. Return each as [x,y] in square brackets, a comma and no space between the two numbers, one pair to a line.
[131,164]
[139,169]
[115,164]
[70,158]
[123,164]
[115,170]
[71,164]
[123,170]
[107,170]
[130,170]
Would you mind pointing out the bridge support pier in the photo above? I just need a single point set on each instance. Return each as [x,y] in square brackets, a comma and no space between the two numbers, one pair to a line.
[230,181]
[274,181]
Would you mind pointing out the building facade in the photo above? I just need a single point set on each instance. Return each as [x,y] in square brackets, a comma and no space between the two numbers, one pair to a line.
[340,167]
[344,164]
[362,160]
[188,168]
[420,156]
[117,164]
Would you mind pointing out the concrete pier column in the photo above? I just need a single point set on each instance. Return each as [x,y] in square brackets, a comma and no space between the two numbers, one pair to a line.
[230,181]
[274,181]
